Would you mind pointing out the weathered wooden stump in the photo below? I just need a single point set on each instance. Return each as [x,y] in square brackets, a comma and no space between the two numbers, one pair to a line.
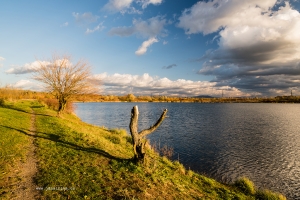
[138,140]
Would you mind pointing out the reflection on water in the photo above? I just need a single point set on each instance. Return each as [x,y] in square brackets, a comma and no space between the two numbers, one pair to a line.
[224,141]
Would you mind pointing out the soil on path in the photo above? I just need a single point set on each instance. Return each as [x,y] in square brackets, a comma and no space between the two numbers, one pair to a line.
[27,189]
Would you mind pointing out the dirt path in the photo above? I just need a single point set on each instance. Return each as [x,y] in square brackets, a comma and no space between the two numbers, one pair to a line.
[26,189]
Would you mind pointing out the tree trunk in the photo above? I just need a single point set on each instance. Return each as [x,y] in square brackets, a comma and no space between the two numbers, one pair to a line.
[138,139]
[61,106]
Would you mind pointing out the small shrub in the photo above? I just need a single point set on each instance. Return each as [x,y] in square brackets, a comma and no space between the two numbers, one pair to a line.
[51,103]
[268,195]
[245,185]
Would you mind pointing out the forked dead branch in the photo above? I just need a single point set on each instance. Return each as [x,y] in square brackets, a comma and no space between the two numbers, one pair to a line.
[138,138]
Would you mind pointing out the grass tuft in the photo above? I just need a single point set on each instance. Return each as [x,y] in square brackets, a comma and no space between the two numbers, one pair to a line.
[245,185]
[268,195]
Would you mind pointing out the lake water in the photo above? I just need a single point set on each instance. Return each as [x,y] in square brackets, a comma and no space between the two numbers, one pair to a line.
[223,141]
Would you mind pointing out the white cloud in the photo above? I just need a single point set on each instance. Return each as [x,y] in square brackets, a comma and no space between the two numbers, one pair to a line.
[27,68]
[34,66]
[146,85]
[118,5]
[27,85]
[256,38]
[125,6]
[151,29]
[243,23]
[131,10]
[85,18]
[145,3]
[144,47]
[99,27]
[211,16]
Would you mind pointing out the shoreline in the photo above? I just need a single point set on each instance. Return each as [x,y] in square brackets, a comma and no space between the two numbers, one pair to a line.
[180,102]
[96,163]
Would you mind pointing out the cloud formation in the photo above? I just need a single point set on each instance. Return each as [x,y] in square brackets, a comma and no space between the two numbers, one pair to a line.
[148,28]
[28,85]
[151,29]
[145,3]
[36,65]
[117,5]
[259,43]
[99,27]
[169,66]
[125,6]
[85,18]
[27,68]
[144,47]
[120,84]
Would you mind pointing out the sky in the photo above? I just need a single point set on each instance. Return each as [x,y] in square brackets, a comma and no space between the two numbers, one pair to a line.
[158,47]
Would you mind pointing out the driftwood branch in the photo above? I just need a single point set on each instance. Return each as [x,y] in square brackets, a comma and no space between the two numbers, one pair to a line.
[138,141]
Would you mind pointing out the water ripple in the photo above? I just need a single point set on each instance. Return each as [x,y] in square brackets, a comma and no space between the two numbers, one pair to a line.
[224,141]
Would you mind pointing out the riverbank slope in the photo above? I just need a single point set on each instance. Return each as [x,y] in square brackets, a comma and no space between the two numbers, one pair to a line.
[77,160]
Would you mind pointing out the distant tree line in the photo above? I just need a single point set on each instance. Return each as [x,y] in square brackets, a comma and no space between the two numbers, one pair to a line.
[9,93]
[133,98]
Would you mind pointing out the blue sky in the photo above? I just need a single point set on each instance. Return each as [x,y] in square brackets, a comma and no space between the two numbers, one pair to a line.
[165,47]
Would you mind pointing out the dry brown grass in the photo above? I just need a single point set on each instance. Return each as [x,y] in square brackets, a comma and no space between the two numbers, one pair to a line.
[163,151]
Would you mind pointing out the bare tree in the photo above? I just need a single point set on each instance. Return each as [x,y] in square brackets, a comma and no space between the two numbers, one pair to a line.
[138,140]
[64,79]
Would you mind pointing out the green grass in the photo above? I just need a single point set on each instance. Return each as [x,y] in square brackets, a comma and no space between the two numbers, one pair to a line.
[245,185]
[81,161]
[14,125]
[268,195]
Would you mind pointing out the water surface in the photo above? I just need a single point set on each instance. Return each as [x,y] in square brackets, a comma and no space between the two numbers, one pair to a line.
[223,141]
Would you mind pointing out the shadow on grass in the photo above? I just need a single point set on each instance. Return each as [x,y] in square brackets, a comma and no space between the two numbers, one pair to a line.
[24,111]
[56,138]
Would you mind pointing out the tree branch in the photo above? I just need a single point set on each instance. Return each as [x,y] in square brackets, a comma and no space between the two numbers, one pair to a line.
[155,126]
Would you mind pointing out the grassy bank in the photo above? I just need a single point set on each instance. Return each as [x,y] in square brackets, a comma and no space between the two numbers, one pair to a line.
[14,124]
[77,160]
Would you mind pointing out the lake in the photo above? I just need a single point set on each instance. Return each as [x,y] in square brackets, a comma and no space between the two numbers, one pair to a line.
[223,141]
